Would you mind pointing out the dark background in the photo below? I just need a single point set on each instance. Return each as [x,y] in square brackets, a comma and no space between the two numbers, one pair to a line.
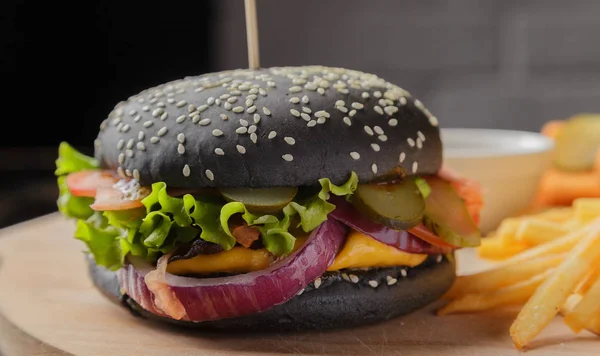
[474,63]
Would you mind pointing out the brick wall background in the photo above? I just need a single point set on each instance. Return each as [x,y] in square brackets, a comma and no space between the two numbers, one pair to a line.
[500,64]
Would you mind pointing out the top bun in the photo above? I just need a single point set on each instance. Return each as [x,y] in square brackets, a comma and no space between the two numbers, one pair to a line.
[281,126]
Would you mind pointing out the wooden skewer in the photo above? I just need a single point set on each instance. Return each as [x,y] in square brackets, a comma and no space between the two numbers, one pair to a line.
[252,34]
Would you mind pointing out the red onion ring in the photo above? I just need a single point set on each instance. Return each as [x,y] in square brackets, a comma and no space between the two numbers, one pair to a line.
[400,239]
[202,299]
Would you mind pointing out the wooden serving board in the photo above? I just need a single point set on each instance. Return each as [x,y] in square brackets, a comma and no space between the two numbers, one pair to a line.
[48,306]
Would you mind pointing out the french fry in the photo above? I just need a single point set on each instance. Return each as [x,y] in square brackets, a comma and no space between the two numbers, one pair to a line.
[496,248]
[592,325]
[496,278]
[543,306]
[512,295]
[508,228]
[586,209]
[588,280]
[536,231]
[557,214]
[584,311]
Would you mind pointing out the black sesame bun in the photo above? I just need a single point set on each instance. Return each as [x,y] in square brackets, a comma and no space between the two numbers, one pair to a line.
[287,126]
[336,300]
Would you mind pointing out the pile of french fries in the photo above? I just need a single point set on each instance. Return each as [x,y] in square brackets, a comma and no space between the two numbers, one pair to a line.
[548,263]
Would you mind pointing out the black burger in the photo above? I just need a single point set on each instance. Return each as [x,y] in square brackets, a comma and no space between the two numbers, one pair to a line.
[281,198]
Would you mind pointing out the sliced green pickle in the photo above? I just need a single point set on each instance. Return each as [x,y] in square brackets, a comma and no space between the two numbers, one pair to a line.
[261,200]
[447,216]
[398,205]
[577,143]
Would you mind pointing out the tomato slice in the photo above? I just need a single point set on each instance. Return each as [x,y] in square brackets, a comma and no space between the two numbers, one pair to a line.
[428,236]
[109,198]
[85,183]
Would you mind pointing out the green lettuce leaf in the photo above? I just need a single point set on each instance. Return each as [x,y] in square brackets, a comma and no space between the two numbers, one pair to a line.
[70,160]
[159,200]
[206,214]
[424,188]
[103,243]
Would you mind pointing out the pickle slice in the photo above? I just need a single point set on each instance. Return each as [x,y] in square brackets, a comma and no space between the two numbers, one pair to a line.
[261,200]
[398,205]
[447,216]
[577,143]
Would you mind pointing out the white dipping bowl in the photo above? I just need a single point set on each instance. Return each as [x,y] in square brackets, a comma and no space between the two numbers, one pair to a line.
[507,163]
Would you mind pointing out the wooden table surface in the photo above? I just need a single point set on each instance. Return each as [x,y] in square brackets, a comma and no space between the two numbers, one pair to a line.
[48,306]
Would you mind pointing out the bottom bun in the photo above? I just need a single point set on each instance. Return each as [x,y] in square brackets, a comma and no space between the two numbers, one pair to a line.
[337,300]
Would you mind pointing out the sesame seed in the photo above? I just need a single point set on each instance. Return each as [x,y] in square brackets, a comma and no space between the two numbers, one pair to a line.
[433,121]
[365,95]
[415,167]
[439,259]
[390,110]
[402,101]
[382,138]
[357,106]
[235,92]
[295,112]
[238,109]
[374,168]
[186,171]
[180,149]
[353,278]
[340,103]
[164,116]
[305,116]
[232,99]
[241,130]
[321,120]
[243,122]
[249,102]
[289,140]
[162,131]
[132,112]
[146,108]
[345,277]
[321,91]
[375,147]
[347,121]
[204,122]
[210,100]
[368,130]
[403,273]
[393,122]
[251,109]
[157,112]
[130,144]
[342,109]
[383,103]
[411,142]
[209,174]
[219,151]
[262,92]
[121,158]
[378,130]
[129,153]
[120,144]
[306,110]
[322,113]
[196,119]
[180,119]
[377,94]
[421,136]
[391,281]
[128,172]
[227,106]
[311,123]
[419,143]
[125,128]
[253,137]
[240,149]
[287,157]
[402,157]
[170,100]
[217,132]
[256,118]
[252,129]
[305,99]
[317,283]
[224,117]
[355,155]
[294,100]
[373,283]
[295,89]
[137,118]
[136,174]
[378,109]
[140,146]
[352,113]
[191,108]
[272,135]
[311,86]
[181,103]
[154,139]
[344,91]
[266,111]
[181,138]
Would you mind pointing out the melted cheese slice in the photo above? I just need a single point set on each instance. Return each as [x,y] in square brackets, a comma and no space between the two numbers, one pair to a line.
[359,251]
